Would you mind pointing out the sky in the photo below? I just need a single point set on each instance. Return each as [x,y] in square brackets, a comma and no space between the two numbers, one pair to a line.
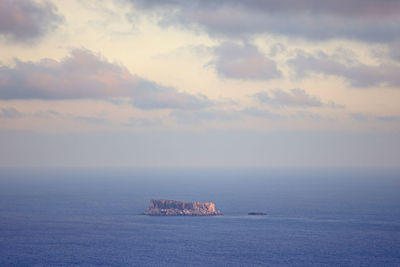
[199,83]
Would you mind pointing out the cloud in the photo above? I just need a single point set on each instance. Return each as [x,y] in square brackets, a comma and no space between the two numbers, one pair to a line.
[13,113]
[295,98]
[388,118]
[363,117]
[152,96]
[368,20]
[359,116]
[394,51]
[356,73]
[92,120]
[244,62]
[332,104]
[185,117]
[143,122]
[85,75]
[48,114]
[27,20]
[301,114]
[261,113]
[10,113]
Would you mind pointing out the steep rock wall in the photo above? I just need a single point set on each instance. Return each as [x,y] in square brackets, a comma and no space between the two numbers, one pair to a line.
[164,207]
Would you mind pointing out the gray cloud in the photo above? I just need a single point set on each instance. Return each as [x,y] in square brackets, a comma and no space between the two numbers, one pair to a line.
[10,113]
[296,98]
[47,114]
[27,20]
[342,8]
[356,73]
[188,117]
[143,122]
[359,116]
[309,115]
[388,118]
[262,113]
[86,75]
[13,113]
[394,51]
[244,62]
[153,96]
[362,117]
[92,120]
[369,20]
[185,117]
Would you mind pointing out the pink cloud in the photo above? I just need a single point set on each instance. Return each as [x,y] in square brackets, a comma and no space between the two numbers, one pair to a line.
[84,74]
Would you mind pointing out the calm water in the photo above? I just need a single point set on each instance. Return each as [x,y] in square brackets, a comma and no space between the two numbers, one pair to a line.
[316,217]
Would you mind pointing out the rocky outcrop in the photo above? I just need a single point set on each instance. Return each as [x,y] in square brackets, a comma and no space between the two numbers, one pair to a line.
[162,207]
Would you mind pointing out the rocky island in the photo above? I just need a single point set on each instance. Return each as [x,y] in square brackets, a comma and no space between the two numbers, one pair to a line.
[162,207]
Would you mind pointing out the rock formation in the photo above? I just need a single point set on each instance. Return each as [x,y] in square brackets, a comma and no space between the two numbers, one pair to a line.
[162,207]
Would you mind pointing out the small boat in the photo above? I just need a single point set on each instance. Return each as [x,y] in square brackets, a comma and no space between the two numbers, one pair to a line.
[256,213]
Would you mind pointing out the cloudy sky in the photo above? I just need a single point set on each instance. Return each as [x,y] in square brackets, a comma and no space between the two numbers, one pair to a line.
[199,83]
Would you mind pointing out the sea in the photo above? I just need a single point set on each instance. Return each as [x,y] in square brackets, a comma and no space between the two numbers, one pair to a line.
[93,217]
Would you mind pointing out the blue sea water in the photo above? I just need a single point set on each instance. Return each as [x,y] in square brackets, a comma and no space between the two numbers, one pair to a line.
[316,217]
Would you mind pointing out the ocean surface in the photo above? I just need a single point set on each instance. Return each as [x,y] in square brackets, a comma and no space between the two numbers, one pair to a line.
[91,217]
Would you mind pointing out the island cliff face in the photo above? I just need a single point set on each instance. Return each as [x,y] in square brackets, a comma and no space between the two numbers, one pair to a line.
[162,207]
